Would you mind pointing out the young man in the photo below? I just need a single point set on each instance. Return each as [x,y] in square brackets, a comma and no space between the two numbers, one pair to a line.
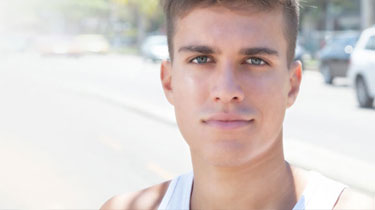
[231,78]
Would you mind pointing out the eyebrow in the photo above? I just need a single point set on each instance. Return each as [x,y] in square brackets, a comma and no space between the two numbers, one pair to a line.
[203,49]
[259,50]
[198,49]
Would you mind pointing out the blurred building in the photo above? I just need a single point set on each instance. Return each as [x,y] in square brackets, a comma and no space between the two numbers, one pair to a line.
[367,13]
[323,19]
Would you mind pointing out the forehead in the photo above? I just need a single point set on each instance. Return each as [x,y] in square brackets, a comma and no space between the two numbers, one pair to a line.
[217,26]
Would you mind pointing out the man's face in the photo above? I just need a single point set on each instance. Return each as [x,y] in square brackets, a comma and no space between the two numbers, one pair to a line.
[229,83]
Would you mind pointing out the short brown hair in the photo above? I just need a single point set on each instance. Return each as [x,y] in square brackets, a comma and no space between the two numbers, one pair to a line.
[177,8]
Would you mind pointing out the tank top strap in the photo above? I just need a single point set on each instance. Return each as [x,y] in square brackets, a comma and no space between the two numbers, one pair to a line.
[178,193]
[320,193]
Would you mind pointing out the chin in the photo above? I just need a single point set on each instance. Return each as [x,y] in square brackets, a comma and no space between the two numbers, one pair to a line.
[229,155]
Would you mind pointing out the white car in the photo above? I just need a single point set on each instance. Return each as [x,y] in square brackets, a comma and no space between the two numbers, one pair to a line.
[362,68]
[155,48]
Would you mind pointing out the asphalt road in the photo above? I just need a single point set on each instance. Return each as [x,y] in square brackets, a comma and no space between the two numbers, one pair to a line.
[75,131]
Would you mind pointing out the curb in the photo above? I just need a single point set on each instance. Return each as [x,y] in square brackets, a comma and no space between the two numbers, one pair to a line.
[350,171]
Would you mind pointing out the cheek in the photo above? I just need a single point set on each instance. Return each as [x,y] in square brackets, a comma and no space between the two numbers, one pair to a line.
[269,96]
[190,93]
[267,87]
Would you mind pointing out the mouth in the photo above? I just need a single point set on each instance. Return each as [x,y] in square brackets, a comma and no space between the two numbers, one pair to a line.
[227,121]
[227,124]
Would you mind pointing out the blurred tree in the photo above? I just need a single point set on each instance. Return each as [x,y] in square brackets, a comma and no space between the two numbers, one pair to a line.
[148,16]
[146,7]
[74,16]
[121,20]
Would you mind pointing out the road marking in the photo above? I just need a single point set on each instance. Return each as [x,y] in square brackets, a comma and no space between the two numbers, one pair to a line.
[143,108]
[159,171]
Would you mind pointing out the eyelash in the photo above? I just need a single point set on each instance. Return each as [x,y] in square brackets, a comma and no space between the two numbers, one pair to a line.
[194,60]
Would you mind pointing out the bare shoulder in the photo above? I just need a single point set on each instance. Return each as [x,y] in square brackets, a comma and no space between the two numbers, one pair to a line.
[351,199]
[148,198]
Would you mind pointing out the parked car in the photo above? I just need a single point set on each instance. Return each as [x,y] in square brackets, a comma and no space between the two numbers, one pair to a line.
[334,57]
[155,48]
[54,45]
[72,45]
[362,68]
[91,43]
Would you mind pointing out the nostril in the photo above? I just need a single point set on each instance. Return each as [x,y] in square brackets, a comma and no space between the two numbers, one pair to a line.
[235,98]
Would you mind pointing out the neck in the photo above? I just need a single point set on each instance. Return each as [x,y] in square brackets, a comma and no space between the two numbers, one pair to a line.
[265,183]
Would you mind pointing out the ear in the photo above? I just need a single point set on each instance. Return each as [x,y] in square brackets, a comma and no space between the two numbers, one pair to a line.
[166,79]
[295,77]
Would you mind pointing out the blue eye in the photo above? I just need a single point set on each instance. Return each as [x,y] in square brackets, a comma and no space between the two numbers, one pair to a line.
[201,60]
[256,61]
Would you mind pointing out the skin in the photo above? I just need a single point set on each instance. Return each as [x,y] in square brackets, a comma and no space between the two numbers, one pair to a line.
[245,73]
[230,85]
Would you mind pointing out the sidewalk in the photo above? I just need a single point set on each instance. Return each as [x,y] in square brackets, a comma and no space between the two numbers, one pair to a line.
[349,170]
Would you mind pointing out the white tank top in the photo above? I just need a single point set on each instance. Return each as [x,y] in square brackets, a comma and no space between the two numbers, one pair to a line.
[320,193]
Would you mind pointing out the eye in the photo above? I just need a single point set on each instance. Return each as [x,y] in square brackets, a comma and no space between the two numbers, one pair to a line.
[201,60]
[256,61]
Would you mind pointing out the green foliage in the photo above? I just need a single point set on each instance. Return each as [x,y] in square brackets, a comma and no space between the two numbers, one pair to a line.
[130,19]
[83,8]
[146,7]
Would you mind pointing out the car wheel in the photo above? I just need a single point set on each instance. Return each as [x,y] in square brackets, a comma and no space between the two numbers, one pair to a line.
[327,76]
[363,97]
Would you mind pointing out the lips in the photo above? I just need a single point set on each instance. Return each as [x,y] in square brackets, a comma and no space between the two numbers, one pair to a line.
[228,121]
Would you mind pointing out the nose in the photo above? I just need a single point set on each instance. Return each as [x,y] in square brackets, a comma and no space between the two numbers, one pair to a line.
[227,87]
